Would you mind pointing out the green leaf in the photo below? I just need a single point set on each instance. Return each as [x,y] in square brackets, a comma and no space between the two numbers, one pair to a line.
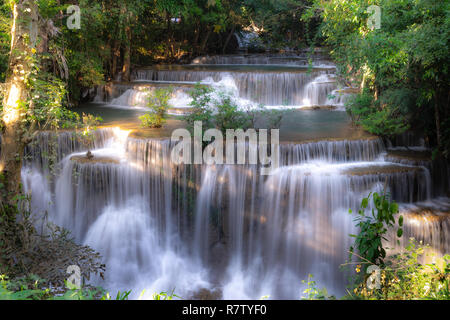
[393,208]
[364,203]
[400,221]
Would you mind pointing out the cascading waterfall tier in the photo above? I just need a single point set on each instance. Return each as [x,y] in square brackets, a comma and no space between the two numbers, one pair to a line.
[227,229]
[269,88]
[439,168]
[135,94]
[318,59]
[49,147]
[161,226]
[278,80]
[331,151]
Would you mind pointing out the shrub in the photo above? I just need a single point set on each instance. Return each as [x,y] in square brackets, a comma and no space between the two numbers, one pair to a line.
[158,103]
[373,228]
[217,109]
[382,117]
[314,293]
[405,278]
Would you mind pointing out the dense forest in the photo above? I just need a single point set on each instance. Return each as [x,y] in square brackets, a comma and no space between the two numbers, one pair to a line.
[398,70]
[401,68]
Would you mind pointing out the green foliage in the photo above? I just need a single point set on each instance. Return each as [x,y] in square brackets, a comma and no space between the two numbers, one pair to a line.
[29,257]
[216,109]
[380,120]
[5,38]
[279,22]
[404,64]
[359,105]
[404,275]
[228,115]
[150,120]
[119,296]
[313,293]
[97,52]
[46,109]
[88,126]
[406,278]
[85,49]
[158,103]
[20,290]
[165,296]
[373,228]
[31,288]
[201,111]
[384,122]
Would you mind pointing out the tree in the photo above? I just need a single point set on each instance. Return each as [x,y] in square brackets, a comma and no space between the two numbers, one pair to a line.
[23,48]
[403,64]
[158,103]
[32,100]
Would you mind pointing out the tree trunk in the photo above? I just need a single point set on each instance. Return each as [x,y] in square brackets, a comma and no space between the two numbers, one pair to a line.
[196,38]
[126,70]
[115,57]
[227,41]
[437,118]
[23,40]
[169,48]
[205,40]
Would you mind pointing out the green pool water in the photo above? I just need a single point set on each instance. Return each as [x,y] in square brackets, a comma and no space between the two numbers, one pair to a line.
[297,125]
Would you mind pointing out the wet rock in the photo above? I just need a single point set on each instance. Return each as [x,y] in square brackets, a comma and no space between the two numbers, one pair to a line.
[375,170]
[206,294]
[92,159]
[412,155]
[318,108]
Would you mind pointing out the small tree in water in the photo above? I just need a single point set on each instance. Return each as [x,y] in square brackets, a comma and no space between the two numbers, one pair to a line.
[87,137]
[158,103]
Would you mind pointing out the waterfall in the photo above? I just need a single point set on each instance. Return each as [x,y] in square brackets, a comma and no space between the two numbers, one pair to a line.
[48,147]
[427,222]
[131,97]
[258,79]
[135,95]
[227,229]
[268,88]
[247,40]
[289,59]
[317,91]
[162,226]
[337,151]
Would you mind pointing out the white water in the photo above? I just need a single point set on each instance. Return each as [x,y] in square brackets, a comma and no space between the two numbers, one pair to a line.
[244,235]
[226,228]
[249,94]
[282,88]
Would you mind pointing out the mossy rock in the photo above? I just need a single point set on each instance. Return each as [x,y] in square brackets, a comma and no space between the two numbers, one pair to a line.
[85,159]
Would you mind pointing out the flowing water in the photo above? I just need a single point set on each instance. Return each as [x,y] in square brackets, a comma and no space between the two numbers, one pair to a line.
[227,230]
[274,86]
